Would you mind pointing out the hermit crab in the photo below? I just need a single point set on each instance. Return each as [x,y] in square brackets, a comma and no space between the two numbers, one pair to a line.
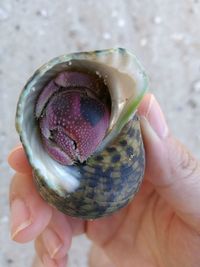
[77,120]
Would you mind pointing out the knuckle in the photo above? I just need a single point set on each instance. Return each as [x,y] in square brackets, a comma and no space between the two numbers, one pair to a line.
[186,166]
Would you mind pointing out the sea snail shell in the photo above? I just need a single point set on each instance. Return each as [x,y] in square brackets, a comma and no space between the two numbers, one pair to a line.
[87,156]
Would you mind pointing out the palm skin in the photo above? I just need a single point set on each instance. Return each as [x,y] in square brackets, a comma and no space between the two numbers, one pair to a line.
[147,233]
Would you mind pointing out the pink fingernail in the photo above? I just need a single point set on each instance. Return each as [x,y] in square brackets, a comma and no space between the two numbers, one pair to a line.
[48,262]
[52,242]
[20,217]
[155,117]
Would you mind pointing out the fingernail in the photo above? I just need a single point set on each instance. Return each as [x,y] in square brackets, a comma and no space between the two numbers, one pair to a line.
[156,118]
[48,262]
[20,217]
[52,242]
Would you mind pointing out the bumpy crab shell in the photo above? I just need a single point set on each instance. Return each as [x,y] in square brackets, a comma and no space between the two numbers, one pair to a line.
[109,178]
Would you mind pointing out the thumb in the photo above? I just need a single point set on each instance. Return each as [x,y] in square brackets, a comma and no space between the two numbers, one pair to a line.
[170,167]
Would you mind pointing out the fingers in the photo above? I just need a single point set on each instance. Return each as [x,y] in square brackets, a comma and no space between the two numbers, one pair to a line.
[45,258]
[29,213]
[18,161]
[54,242]
[57,237]
[171,168]
[32,218]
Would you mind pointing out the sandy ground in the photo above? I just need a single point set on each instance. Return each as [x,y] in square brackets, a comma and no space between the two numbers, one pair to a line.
[165,35]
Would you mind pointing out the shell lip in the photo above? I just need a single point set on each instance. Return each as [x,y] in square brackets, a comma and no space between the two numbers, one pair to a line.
[82,56]
[97,56]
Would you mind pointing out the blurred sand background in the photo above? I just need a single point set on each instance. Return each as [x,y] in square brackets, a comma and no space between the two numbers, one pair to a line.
[165,36]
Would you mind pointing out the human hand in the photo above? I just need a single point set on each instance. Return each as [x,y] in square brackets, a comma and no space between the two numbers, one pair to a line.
[160,227]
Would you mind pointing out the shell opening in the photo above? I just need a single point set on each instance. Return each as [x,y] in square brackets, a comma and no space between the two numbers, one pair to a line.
[73,113]
[127,83]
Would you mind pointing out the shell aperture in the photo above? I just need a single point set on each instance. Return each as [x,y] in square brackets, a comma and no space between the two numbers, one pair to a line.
[98,92]
[73,120]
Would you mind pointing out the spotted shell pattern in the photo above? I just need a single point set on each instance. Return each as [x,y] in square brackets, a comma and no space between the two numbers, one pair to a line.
[113,178]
